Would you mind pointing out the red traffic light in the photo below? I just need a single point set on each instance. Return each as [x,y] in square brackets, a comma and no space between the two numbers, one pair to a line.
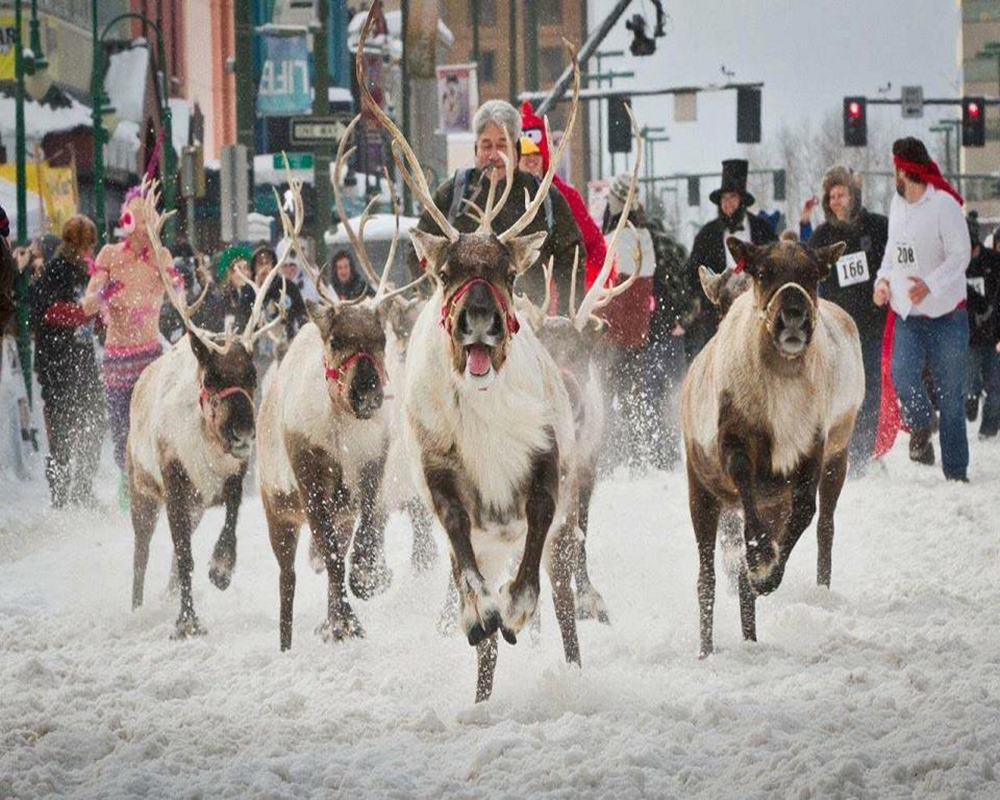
[854,109]
[973,109]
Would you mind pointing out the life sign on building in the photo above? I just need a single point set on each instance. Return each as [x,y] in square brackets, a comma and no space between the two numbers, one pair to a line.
[284,87]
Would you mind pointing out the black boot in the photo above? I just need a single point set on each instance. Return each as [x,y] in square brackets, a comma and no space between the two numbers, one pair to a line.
[971,408]
[921,448]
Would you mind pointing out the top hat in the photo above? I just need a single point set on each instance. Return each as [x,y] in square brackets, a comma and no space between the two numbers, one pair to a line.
[734,179]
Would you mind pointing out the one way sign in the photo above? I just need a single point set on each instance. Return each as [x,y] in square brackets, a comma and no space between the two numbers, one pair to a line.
[318,130]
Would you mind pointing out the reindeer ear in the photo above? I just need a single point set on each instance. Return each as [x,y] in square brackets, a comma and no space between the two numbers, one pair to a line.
[526,249]
[744,252]
[711,284]
[429,249]
[390,312]
[201,352]
[828,256]
[322,315]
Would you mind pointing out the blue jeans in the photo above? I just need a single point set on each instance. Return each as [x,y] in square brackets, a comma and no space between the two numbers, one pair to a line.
[984,375]
[942,343]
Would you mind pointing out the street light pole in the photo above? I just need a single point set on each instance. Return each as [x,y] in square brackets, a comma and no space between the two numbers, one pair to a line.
[19,145]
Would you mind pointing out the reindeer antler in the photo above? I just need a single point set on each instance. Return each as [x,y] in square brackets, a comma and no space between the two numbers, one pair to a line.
[411,171]
[543,189]
[590,300]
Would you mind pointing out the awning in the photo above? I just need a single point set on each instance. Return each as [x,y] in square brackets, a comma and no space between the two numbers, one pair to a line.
[57,112]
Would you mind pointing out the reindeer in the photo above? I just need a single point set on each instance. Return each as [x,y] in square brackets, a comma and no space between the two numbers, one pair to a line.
[324,438]
[767,412]
[190,438]
[571,341]
[488,417]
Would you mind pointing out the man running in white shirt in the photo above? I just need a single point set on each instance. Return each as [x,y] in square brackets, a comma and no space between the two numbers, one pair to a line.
[923,278]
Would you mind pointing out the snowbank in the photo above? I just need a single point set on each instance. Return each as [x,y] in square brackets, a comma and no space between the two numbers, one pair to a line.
[886,686]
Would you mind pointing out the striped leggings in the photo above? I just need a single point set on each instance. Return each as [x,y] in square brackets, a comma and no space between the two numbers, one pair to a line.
[122,367]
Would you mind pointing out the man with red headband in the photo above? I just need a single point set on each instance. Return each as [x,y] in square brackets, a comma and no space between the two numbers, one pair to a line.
[922,277]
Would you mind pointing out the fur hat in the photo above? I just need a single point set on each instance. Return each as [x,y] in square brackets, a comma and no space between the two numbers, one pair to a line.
[618,194]
[842,176]
[533,129]
[734,179]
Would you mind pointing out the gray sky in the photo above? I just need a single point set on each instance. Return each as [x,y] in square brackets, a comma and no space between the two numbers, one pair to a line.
[808,54]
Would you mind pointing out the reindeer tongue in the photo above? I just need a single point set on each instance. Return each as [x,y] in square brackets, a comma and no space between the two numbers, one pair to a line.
[479,360]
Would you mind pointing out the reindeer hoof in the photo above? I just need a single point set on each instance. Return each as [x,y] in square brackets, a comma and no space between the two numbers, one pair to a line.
[590,605]
[337,630]
[369,580]
[508,636]
[483,629]
[187,627]
[518,604]
[221,573]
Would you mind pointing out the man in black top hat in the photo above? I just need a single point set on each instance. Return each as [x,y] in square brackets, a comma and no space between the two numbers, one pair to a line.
[710,249]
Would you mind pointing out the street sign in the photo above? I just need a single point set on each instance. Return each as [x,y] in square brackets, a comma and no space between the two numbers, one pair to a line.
[318,130]
[304,161]
[911,101]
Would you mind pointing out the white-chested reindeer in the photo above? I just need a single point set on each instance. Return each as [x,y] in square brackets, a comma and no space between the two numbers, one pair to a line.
[488,415]
[572,341]
[324,438]
[190,437]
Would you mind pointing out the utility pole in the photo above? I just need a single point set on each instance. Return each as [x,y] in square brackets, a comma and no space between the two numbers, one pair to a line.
[321,108]
[512,33]
[246,114]
[476,10]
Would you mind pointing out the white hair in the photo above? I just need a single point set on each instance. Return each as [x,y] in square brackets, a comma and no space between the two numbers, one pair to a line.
[498,112]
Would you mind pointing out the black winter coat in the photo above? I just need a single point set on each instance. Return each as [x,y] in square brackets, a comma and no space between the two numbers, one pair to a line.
[709,249]
[867,232]
[64,353]
[983,279]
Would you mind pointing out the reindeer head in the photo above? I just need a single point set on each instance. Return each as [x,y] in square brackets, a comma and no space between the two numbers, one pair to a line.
[785,276]
[402,318]
[723,288]
[227,381]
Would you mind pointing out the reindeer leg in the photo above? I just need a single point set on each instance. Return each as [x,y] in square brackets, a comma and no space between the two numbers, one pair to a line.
[486,665]
[370,575]
[144,510]
[424,554]
[224,555]
[748,607]
[284,536]
[705,519]
[589,603]
[478,612]
[519,597]
[830,486]
[761,550]
[341,622]
[561,561]
[180,505]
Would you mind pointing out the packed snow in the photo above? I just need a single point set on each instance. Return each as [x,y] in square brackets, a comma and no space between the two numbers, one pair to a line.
[886,686]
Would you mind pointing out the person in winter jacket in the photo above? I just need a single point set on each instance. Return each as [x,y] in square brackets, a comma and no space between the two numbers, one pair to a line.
[850,285]
[283,299]
[345,279]
[8,272]
[533,150]
[709,248]
[497,126]
[983,280]
[66,365]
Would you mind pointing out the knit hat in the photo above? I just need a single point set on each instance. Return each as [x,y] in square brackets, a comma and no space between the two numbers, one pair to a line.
[4,224]
[618,194]
[238,252]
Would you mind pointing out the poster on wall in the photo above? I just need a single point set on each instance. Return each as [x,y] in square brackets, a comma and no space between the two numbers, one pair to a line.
[458,97]
[285,87]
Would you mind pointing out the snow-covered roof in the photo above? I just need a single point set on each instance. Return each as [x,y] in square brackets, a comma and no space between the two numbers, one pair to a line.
[41,118]
[264,171]
[379,226]
[125,82]
[339,94]
[394,22]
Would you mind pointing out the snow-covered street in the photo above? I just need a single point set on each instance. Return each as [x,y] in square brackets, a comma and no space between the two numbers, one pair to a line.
[886,686]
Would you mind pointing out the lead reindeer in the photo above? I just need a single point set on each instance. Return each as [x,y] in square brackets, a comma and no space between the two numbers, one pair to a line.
[190,437]
[571,341]
[488,416]
[324,439]
[767,412]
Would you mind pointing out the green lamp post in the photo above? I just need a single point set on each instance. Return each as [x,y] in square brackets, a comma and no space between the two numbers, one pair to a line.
[101,106]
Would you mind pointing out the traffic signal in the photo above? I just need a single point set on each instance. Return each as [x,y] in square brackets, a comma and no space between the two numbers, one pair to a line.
[855,122]
[779,185]
[747,115]
[619,126]
[973,122]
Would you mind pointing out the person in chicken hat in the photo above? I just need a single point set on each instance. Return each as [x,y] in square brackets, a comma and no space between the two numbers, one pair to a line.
[534,159]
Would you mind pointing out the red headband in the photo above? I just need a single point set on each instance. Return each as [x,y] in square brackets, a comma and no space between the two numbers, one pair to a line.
[929,173]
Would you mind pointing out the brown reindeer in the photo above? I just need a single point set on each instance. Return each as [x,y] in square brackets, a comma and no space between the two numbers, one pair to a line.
[324,438]
[767,411]
[190,438]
